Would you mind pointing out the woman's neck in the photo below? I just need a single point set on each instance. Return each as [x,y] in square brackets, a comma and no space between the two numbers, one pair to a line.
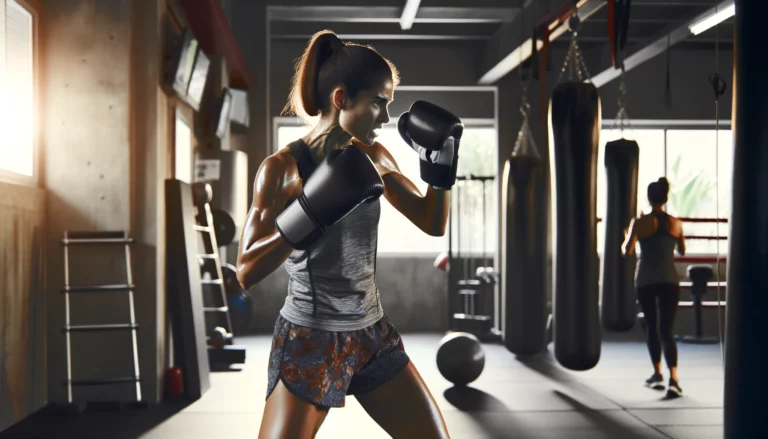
[657,209]
[326,136]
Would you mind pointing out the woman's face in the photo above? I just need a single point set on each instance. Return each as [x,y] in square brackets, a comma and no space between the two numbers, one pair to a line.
[366,114]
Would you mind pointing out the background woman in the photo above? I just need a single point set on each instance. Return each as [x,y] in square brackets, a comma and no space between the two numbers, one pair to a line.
[657,280]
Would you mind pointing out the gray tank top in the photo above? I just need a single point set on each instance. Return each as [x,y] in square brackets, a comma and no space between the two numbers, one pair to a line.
[332,285]
[656,263]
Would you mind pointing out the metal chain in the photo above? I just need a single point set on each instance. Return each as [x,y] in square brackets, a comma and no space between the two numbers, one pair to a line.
[622,117]
[525,107]
[574,63]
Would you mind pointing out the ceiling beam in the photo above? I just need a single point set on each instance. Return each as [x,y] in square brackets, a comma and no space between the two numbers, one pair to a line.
[388,14]
[657,46]
[512,44]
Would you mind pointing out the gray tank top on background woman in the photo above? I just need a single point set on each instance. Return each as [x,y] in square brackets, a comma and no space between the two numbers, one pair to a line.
[656,261]
[332,285]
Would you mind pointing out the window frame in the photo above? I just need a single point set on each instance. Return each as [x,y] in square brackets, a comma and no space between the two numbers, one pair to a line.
[36,179]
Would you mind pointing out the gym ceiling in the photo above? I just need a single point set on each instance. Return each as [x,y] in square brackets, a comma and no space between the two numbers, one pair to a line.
[502,26]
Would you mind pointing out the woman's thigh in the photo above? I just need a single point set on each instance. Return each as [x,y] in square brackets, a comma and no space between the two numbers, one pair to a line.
[404,407]
[669,300]
[287,416]
[646,295]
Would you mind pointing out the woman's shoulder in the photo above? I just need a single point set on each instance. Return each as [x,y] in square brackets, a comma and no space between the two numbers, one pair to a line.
[643,217]
[674,219]
[379,155]
[282,159]
[281,167]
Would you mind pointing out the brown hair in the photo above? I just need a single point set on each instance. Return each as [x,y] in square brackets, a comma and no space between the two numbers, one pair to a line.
[327,63]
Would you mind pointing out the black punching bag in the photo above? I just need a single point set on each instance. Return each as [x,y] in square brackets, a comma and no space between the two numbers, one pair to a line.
[618,308]
[574,135]
[747,326]
[523,262]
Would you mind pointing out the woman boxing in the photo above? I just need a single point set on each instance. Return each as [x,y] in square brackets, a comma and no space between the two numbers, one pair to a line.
[657,281]
[316,209]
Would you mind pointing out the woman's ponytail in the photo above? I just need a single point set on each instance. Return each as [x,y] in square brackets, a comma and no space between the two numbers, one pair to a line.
[303,97]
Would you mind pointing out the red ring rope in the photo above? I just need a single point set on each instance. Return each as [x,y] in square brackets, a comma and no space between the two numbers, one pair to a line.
[706,238]
[701,259]
[692,220]
[687,285]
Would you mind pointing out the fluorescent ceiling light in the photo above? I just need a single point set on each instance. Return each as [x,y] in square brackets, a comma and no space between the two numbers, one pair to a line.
[409,14]
[713,20]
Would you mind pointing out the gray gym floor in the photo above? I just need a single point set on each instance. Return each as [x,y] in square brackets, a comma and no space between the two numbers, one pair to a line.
[512,399]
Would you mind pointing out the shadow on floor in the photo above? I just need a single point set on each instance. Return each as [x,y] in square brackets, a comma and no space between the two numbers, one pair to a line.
[479,404]
[604,423]
[129,423]
[546,366]
[469,399]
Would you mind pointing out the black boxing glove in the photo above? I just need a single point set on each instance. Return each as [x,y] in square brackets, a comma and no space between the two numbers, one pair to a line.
[343,181]
[434,133]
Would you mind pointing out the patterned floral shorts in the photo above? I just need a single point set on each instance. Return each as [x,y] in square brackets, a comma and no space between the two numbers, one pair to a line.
[322,367]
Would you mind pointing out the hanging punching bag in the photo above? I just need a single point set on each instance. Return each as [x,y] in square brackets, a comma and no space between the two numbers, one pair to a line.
[574,134]
[746,323]
[523,263]
[618,309]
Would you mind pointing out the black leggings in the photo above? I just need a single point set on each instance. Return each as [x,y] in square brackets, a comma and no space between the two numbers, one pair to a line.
[668,296]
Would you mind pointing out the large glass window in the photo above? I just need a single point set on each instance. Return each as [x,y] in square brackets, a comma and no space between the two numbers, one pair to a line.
[17,88]
[699,168]
[397,235]
[698,164]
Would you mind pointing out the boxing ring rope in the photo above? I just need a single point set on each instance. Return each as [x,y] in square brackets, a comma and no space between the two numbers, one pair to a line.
[692,220]
[701,259]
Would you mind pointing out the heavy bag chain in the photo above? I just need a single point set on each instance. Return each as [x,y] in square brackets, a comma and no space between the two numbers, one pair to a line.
[525,107]
[525,145]
[622,118]
[574,63]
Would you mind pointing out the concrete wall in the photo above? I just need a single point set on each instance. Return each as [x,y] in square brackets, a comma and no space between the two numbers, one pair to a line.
[105,133]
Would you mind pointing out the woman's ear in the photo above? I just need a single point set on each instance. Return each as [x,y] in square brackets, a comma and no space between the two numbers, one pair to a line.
[338,98]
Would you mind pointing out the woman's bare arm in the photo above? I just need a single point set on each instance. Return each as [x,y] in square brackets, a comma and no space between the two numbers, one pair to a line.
[628,248]
[428,212]
[678,233]
[262,249]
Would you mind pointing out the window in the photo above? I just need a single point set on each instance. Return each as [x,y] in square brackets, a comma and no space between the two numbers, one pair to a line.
[697,163]
[17,88]
[397,235]
[699,166]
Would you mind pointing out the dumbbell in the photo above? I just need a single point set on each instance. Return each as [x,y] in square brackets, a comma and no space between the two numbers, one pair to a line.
[202,193]
[487,274]
[220,337]
[239,301]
